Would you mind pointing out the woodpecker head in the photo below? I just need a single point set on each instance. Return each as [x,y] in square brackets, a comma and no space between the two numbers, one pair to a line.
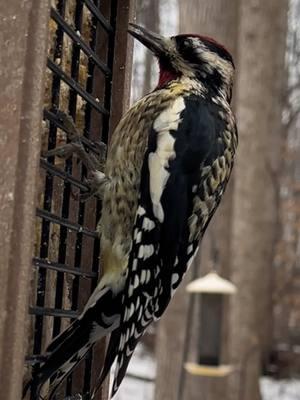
[192,56]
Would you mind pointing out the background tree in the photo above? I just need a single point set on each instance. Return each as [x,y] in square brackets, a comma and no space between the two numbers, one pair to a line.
[218,19]
[241,240]
[255,232]
[259,108]
[286,296]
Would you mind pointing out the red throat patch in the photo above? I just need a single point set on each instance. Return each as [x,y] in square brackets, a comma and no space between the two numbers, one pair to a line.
[166,76]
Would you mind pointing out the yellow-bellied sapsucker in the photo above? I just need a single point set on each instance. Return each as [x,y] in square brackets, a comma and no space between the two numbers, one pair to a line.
[168,164]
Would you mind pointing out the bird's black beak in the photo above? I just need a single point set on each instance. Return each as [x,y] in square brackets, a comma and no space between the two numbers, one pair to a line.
[153,41]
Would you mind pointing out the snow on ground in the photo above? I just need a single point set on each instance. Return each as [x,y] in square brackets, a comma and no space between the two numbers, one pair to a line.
[132,389]
[142,365]
[288,389]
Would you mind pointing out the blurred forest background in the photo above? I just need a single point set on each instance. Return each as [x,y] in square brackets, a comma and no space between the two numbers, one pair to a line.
[254,240]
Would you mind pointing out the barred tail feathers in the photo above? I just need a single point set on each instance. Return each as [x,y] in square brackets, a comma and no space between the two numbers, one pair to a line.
[60,360]
[100,317]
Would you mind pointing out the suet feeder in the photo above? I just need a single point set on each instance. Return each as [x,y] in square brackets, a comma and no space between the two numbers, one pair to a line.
[211,290]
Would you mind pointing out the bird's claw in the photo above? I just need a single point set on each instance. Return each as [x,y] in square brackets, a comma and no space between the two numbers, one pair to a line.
[68,123]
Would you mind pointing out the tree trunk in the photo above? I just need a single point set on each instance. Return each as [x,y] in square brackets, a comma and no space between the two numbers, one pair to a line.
[169,347]
[260,66]
[217,18]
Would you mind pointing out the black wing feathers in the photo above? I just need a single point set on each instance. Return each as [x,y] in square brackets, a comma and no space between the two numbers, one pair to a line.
[195,138]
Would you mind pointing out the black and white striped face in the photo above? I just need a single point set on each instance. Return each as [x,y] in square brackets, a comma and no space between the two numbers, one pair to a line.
[192,56]
[201,51]
[204,59]
[196,49]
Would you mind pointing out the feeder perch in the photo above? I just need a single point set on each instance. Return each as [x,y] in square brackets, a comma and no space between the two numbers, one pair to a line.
[212,290]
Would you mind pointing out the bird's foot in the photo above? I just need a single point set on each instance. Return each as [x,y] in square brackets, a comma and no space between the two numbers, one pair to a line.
[91,153]
[94,159]
[96,184]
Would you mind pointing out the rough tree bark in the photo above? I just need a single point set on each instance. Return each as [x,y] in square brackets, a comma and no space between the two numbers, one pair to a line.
[218,19]
[260,65]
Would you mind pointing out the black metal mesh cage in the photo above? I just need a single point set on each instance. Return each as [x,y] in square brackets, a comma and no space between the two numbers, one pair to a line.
[66,260]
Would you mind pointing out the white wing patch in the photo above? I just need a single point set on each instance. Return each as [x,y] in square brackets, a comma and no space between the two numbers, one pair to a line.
[158,180]
[158,161]
[169,118]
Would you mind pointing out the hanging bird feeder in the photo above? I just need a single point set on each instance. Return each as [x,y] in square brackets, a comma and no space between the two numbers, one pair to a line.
[212,290]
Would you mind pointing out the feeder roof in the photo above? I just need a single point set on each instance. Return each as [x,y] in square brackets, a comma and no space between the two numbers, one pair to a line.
[211,283]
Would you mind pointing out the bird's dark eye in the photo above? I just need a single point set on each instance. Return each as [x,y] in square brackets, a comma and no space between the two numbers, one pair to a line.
[186,49]
[182,44]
